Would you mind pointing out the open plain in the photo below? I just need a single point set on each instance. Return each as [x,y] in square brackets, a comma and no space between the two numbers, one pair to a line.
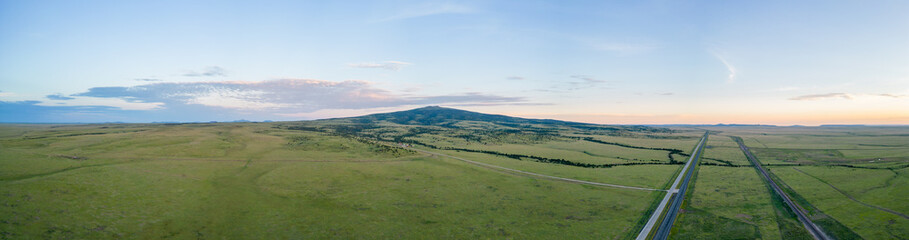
[402,175]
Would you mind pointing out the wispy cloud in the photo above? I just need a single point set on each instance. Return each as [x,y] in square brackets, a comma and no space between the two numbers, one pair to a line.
[587,79]
[388,65]
[584,83]
[429,10]
[813,97]
[6,94]
[729,67]
[623,47]
[578,82]
[284,95]
[213,71]
[59,96]
[110,103]
[850,96]
[892,95]
[147,79]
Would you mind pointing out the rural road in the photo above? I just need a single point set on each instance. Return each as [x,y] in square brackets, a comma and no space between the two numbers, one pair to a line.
[812,228]
[528,173]
[676,194]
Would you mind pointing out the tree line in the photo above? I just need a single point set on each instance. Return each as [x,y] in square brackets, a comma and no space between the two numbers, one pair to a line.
[672,151]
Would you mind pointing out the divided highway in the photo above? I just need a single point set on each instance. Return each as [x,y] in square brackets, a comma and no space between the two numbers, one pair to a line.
[812,228]
[675,194]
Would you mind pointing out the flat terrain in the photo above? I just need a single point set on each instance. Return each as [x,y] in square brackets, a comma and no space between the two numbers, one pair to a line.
[847,178]
[356,178]
[322,180]
[728,203]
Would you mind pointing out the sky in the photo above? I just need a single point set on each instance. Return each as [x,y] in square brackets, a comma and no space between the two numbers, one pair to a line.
[609,62]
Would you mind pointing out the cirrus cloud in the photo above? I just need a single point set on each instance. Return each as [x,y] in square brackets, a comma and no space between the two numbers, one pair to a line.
[213,71]
[848,96]
[429,10]
[822,96]
[284,95]
[59,96]
[729,67]
[387,65]
[280,99]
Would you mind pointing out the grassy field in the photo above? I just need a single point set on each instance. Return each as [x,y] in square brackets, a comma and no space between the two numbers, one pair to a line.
[649,176]
[263,180]
[723,151]
[728,203]
[865,221]
[851,179]
[825,145]
[343,178]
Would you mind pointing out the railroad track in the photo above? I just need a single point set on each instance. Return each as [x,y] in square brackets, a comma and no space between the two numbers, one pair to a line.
[812,228]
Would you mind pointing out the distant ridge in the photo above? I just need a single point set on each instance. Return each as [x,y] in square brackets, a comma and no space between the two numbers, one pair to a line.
[712,125]
[443,116]
[435,115]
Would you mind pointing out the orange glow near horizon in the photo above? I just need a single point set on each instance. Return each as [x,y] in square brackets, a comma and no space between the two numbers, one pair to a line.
[866,118]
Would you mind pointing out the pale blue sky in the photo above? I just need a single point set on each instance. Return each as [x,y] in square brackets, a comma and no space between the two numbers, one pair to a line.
[776,62]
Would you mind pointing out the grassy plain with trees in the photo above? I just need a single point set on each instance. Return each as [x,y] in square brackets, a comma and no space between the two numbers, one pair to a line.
[354,178]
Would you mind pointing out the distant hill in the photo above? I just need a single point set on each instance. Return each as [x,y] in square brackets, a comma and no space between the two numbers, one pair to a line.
[442,116]
[435,115]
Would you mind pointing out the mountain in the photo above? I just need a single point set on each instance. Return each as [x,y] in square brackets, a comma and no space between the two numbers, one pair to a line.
[448,117]
[435,115]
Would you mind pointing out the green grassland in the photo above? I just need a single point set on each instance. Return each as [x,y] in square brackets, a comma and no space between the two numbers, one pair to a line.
[349,178]
[578,150]
[825,145]
[844,176]
[728,203]
[681,139]
[868,222]
[723,151]
[320,179]
[648,176]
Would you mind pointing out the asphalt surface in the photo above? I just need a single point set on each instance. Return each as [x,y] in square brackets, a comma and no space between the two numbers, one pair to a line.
[663,231]
[812,228]
[676,195]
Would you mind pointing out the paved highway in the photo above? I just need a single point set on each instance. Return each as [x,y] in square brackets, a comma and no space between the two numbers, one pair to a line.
[812,228]
[676,194]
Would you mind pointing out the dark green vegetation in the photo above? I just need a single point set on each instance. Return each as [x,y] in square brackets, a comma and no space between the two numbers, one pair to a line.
[331,178]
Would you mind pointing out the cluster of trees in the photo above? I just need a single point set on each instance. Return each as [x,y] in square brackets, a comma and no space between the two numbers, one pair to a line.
[298,140]
[725,163]
[304,128]
[360,133]
[722,165]
[79,134]
[672,151]
[385,149]
[866,167]
[555,160]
